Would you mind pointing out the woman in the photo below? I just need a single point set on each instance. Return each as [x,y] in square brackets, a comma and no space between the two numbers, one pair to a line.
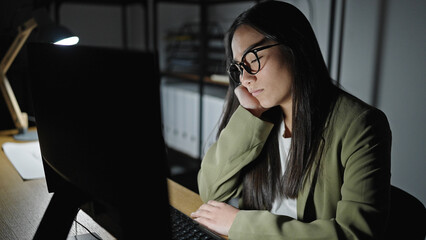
[305,159]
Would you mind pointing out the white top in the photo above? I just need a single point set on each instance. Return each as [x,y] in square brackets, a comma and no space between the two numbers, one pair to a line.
[284,206]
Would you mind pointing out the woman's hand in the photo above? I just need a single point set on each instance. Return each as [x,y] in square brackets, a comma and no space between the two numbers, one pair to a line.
[248,101]
[217,216]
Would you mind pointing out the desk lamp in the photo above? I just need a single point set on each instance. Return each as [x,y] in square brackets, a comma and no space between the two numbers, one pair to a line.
[47,32]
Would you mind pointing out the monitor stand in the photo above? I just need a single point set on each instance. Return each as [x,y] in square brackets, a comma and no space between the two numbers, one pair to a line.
[60,214]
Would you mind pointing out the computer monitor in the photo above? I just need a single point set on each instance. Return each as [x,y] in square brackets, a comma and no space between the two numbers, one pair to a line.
[98,120]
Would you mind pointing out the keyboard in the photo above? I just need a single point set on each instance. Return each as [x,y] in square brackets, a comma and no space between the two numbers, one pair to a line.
[185,228]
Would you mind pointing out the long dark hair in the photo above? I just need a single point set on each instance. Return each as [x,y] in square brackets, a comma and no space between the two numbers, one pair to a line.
[313,94]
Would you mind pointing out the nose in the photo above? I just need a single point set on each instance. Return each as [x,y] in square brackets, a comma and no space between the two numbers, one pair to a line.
[247,78]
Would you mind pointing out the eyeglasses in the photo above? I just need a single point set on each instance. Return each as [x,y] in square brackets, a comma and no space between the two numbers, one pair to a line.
[250,62]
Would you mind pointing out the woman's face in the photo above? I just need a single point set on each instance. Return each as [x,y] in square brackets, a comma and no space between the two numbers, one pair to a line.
[272,84]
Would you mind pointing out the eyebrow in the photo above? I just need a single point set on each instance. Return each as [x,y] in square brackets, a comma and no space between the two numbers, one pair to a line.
[253,46]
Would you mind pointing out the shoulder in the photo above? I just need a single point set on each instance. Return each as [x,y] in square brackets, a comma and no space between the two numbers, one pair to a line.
[352,119]
[357,130]
[350,110]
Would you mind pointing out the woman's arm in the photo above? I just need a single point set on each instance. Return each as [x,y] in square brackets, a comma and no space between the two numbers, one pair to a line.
[363,209]
[239,143]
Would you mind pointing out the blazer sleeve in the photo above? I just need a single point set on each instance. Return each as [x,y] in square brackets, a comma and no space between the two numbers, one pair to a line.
[239,143]
[363,208]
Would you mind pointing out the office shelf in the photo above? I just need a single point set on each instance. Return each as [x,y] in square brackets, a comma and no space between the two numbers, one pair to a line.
[200,74]
[195,78]
[210,2]
[103,2]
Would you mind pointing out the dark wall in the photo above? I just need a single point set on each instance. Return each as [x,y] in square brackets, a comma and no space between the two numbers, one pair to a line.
[12,14]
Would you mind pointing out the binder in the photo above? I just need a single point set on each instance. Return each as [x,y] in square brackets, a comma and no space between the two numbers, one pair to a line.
[192,126]
[165,111]
[181,109]
[212,111]
[181,116]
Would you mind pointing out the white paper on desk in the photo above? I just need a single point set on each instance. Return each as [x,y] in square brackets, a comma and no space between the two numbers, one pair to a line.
[26,158]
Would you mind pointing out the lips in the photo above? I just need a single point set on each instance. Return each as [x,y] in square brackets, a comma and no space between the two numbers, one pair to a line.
[256,92]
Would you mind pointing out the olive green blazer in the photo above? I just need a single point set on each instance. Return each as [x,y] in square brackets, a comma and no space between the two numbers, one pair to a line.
[350,195]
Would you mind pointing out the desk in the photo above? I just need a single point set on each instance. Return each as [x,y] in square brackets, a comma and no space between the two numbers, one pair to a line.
[184,199]
[22,203]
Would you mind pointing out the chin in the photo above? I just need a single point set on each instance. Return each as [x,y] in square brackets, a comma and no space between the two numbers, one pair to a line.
[266,102]
[267,105]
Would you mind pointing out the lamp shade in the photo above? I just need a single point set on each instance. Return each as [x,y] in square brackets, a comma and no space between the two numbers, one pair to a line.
[50,32]
[56,34]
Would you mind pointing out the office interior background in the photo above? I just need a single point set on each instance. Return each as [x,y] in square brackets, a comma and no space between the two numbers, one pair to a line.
[376,50]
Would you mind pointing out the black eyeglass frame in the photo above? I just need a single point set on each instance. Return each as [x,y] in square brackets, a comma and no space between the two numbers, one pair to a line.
[241,66]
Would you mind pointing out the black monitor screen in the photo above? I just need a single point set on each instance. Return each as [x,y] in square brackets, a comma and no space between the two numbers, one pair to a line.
[99,124]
